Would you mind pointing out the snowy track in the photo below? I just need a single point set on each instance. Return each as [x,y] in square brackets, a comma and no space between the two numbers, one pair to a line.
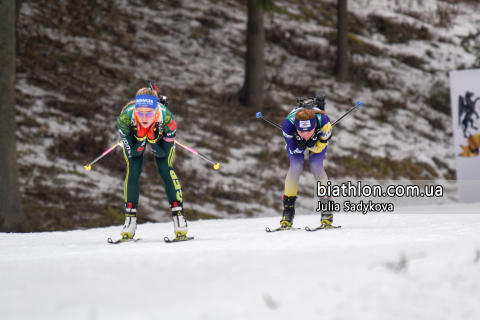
[235,270]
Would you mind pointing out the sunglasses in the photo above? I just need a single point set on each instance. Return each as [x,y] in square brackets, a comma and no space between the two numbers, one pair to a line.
[145,114]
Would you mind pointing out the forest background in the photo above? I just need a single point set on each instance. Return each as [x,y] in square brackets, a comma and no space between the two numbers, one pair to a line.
[75,64]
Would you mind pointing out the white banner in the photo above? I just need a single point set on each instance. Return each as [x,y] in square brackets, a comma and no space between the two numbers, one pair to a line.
[465,102]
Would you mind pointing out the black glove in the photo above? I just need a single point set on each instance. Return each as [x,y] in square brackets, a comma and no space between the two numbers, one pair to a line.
[153,133]
[314,138]
[300,142]
[311,142]
[158,150]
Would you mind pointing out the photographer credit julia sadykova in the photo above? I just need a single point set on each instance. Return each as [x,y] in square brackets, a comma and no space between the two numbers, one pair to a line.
[366,207]
[348,206]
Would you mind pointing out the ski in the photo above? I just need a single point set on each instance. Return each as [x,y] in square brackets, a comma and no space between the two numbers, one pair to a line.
[178,239]
[109,240]
[322,227]
[281,229]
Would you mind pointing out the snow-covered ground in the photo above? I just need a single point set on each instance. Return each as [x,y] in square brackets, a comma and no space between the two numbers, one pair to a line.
[419,263]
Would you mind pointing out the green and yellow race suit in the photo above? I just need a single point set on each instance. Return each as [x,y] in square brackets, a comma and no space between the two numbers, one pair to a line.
[163,148]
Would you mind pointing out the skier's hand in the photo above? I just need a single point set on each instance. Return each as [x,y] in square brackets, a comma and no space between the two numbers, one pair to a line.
[318,147]
[141,133]
[326,133]
[160,148]
[299,141]
[313,140]
[153,134]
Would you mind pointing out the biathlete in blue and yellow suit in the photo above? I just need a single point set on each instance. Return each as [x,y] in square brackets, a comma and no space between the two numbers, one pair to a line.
[144,122]
[306,129]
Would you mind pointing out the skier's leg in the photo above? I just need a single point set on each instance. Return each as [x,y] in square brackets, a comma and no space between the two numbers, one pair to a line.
[172,188]
[291,188]
[316,166]
[132,193]
[293,176]
[318,170]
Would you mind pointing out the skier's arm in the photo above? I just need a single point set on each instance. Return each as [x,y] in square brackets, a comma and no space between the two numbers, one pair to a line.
[169,127]
[133,147]
[157,148]
[326,131]
[288,129]
[319,140]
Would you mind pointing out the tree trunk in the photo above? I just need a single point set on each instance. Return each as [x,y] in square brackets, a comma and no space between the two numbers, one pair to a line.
[251,94]
[11,218]
[341,68]
[18,5]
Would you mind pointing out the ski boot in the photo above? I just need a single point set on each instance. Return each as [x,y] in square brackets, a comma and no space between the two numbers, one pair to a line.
[326,219]
[288,212]
[180,226]
[288,215]
[130,225]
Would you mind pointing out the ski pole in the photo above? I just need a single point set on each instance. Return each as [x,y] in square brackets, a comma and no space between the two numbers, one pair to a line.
[215,165]
[88,167]
[359,104]
[259,115]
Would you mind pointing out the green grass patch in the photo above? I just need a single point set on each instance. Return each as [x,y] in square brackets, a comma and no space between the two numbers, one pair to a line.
[191,214]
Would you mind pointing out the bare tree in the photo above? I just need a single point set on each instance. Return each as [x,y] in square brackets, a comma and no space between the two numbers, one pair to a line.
[251,94]
[11,217]
[341,67]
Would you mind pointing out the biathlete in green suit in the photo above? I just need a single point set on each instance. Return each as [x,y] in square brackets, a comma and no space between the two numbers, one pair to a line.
[144,122]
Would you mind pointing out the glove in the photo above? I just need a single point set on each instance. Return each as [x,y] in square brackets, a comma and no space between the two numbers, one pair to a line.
[141,133]
[300,142]
[325,140]
[326,133]
[313,139]
[153,134]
